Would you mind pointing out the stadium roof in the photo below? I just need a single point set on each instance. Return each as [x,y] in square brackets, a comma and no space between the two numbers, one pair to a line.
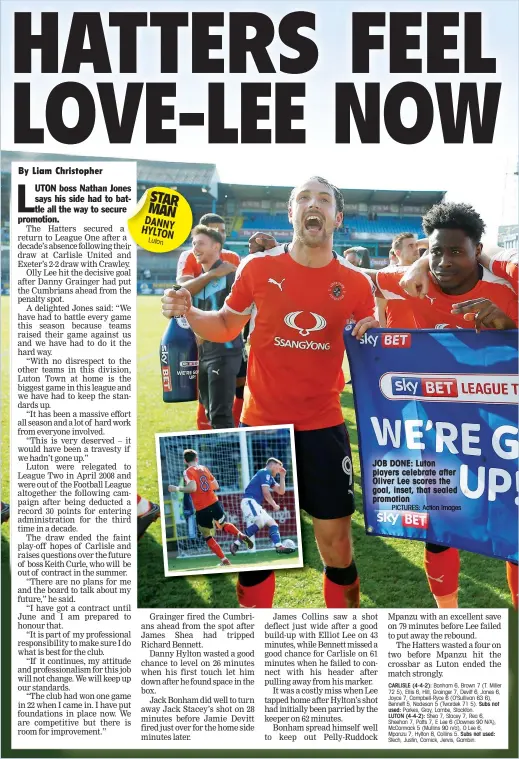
[202,179]
[372,197]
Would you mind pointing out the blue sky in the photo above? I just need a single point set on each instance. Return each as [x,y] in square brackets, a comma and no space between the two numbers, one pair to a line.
[478,174]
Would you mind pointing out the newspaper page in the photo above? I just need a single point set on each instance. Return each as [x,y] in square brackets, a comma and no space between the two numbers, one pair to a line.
[259,378]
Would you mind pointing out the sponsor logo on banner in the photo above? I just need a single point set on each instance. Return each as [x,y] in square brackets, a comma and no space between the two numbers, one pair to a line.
[166,379]
[416,519]
[467,388]
[396,340]
[424,387]
[368,339]
[189,363]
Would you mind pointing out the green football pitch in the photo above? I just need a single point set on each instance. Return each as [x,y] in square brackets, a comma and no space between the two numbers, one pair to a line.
[391,570]
[242,560]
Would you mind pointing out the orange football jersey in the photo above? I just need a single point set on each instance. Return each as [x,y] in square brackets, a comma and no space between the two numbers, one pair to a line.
[204,494]
[434,311]
[506,265]
[298,315]
[398,312]
[188,266]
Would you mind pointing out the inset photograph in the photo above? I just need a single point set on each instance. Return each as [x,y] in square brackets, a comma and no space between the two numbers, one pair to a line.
[229,500]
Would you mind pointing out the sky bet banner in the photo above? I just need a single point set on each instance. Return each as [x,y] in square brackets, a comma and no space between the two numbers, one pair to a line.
[437,420]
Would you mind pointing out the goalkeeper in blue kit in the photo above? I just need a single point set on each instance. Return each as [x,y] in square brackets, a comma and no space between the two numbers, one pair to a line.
[254,515]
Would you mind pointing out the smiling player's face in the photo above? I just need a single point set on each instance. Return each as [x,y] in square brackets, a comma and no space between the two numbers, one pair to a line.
[454,260]
[205,249]
[313,213]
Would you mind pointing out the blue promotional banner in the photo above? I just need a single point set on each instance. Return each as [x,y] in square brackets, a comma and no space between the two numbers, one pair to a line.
[437,419]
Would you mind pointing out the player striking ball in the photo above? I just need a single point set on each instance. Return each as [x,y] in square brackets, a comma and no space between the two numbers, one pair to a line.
[201,485]
[255,516]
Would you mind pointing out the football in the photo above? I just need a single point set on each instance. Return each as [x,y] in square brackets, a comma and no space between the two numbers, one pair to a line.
[289,544]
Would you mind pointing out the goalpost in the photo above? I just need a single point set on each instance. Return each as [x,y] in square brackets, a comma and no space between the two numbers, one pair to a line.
[233,457]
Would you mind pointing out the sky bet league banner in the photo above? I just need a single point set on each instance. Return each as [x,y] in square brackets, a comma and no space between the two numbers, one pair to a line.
[437,420]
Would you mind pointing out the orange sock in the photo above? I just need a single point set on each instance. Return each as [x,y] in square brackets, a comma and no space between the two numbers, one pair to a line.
[236,410]
[442,570]
[511,576]
[230,528]
[202,422]
[215,548]
[257,596]
[341,596]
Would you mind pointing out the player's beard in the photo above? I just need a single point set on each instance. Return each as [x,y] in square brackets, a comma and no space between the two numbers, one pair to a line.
[311,240]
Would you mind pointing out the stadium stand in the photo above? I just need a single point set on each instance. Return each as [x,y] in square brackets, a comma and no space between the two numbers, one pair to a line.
[371,217]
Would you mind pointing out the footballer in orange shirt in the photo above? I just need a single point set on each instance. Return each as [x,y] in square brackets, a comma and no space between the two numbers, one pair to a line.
[398,313]
[201,484]
[455,272]
[188,267]
[460,294]
[299,297]
[190,274]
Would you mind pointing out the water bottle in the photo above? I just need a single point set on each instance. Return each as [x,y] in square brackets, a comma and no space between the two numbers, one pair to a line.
[179,361]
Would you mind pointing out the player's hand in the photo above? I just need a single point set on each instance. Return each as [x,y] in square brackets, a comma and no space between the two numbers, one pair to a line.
[172,489]
[416,280]
[261,241]
[223,270]
[276,506]
[282,470]
[176,302]
[483,313]
[362,326]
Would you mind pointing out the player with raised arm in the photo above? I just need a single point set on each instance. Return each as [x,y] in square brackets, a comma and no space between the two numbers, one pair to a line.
[397,313]
[504,264]
[460,294]
[201,485]
[299,297]
[254,515]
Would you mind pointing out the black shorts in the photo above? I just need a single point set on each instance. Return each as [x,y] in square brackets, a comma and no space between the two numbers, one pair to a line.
[243,367]
[213,513]
[325,472]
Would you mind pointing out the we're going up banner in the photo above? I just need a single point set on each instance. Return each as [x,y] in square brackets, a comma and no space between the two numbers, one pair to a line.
[437,419]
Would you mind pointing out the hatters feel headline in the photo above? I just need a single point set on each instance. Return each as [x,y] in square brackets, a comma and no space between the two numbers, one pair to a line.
[360,112]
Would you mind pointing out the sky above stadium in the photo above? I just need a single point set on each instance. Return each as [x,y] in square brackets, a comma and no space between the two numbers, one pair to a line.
[482,175]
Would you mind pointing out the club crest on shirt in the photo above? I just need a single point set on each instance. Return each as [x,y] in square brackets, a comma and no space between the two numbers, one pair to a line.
[336,291]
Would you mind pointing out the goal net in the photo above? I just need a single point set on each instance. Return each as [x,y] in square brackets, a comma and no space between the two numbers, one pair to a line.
[233,458]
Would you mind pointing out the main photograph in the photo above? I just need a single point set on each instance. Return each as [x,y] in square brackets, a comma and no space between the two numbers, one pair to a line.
[264,294]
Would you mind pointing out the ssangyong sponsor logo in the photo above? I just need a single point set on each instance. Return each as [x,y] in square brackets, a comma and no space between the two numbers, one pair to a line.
[303,345]
[415,519]
[291,320]
[467,388]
